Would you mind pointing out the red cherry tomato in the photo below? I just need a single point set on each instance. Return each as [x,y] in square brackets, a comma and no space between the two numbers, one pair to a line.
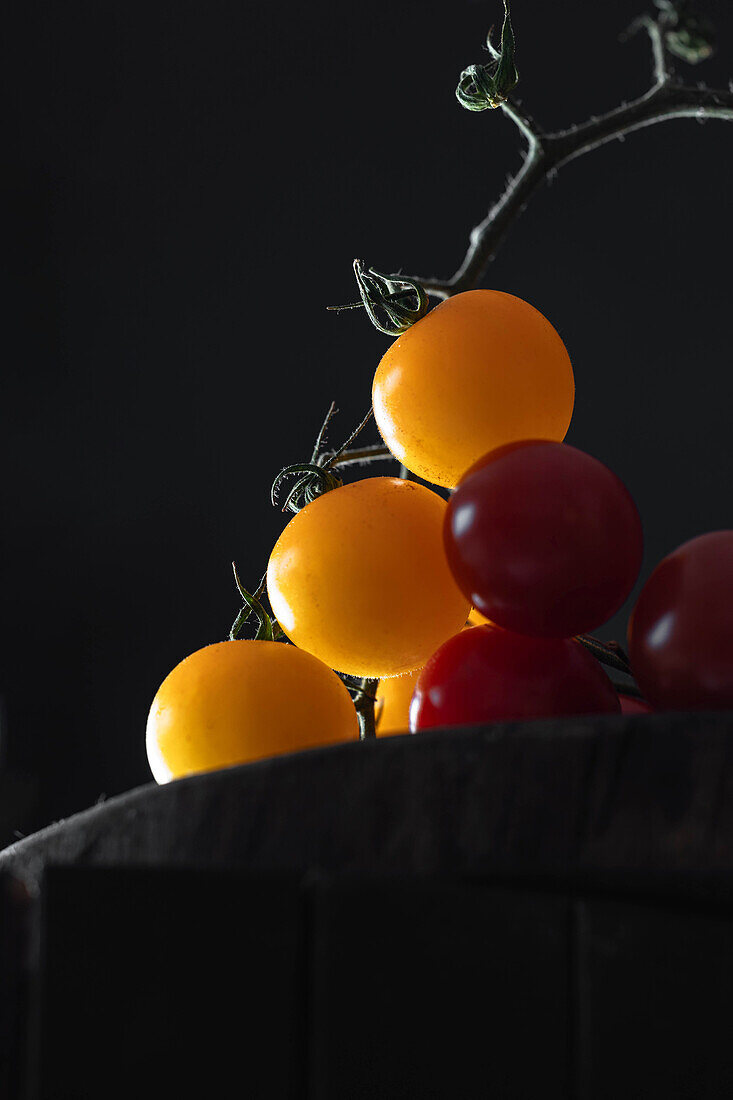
[486,674]
[631,705]
[681,629]
[543,539]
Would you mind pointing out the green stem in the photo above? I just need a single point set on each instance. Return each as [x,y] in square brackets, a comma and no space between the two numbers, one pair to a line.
[375,452]
[608,653]
[365,703]
[398,296]
[548,152]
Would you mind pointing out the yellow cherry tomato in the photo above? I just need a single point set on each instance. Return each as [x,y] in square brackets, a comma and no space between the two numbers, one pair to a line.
[481,369]
[393,703]
[237,701]
[475,618]
[359,577]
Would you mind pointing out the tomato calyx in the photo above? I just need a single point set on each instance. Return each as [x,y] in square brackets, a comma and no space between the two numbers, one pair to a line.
[268,628]
[393,302]
[318,476]
[484,87]
[314,482]
[688,34]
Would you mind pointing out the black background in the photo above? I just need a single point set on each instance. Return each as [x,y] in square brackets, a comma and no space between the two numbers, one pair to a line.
[187,184]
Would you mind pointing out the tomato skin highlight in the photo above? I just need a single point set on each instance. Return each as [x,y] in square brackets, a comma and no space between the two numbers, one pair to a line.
[238,701]
[481,369]
[359,577]
[485,674]
[681,628]
[543,539]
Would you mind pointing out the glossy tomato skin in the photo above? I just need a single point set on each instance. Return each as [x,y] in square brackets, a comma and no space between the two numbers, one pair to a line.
[481,369]
[237,701]
[631,705]
[359,577]
[394,696]
[486,674]
[543,539]
[681,628]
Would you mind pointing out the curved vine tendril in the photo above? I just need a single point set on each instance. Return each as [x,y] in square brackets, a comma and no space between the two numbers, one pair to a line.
[317,476]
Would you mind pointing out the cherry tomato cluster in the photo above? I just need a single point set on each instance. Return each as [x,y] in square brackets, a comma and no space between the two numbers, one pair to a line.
[468,610]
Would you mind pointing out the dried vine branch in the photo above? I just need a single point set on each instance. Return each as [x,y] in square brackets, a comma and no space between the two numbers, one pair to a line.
[546,153]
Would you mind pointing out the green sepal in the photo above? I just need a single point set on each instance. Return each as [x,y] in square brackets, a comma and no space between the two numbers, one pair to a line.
[688,34]
[265,623]
[689,45]
[485,87]
[393,302]
[319,475]
[316,481]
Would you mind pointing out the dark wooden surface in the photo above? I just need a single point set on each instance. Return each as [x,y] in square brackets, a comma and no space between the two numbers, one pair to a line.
[160,983]
[153,982]
[437,988]
[637,796]
[654,1004]
[544,909]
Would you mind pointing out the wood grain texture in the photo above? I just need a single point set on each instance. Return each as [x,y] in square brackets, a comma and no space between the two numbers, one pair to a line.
[647,797]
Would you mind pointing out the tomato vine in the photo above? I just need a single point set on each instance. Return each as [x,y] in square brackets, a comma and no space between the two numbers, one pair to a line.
[395,304]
